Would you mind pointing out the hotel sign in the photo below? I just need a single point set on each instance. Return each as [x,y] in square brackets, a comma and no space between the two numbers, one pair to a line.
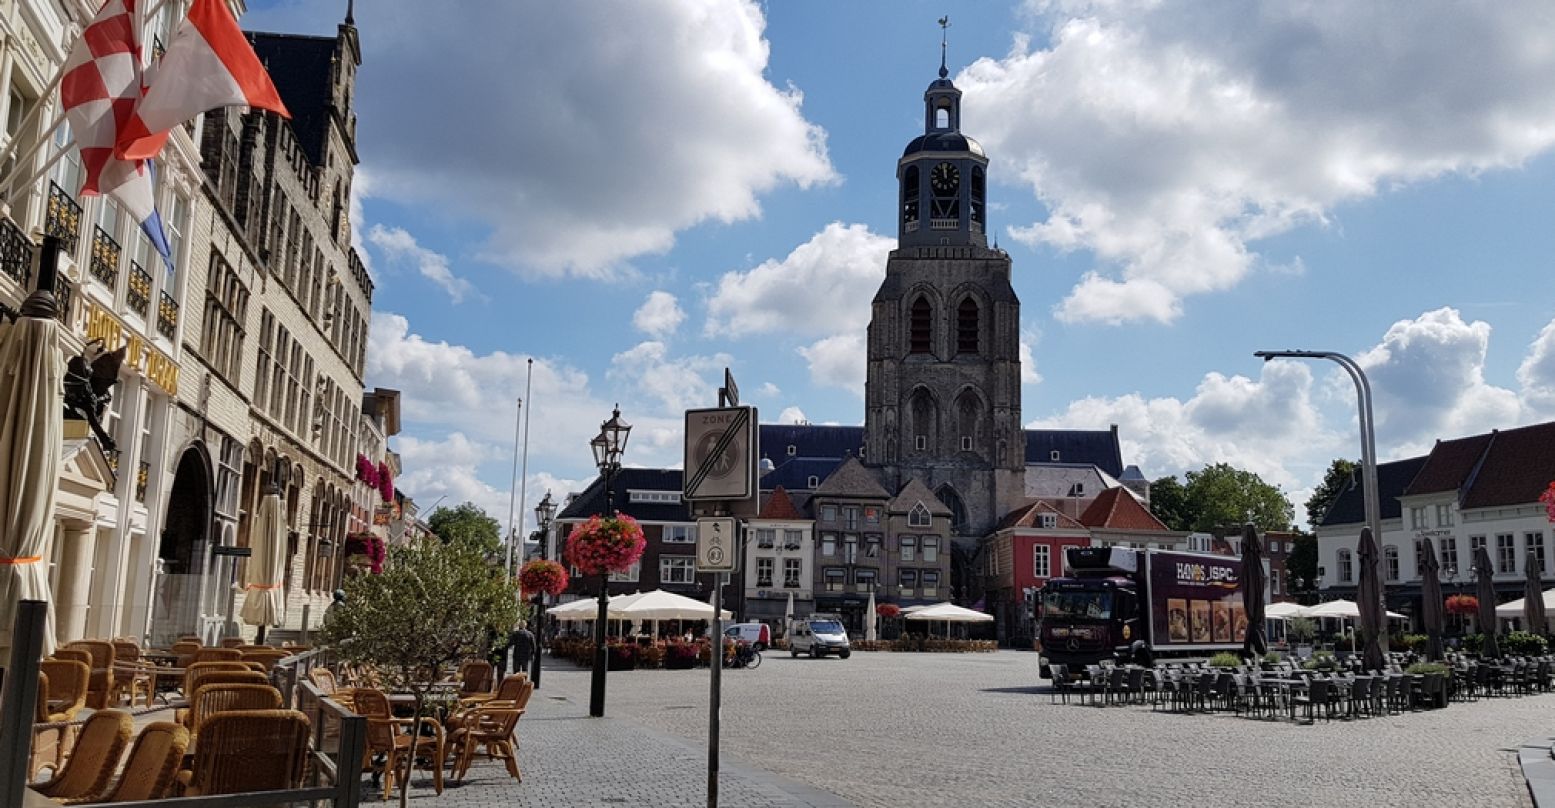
[156,366]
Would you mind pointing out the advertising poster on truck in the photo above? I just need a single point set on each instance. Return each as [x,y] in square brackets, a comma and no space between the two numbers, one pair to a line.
[1202,600]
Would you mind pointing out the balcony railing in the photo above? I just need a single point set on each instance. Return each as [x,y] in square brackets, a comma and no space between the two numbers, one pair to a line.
[142,476]
[167,316]
[139,294]
[63,292]
[64,217]
[15,253]
[105,258]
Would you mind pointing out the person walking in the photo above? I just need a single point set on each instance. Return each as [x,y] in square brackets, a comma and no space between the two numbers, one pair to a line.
[522,644]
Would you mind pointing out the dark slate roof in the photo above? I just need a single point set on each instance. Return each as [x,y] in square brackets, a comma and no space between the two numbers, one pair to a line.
[913,493]
[809,440]
[1449,465]
[1518,466]
[795,474]
[852,479]
[592,500]
[301,67]
[944,142]
[1393,478]
[1095,447]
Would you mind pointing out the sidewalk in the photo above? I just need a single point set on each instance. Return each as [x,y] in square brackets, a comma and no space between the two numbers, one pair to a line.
[569,759]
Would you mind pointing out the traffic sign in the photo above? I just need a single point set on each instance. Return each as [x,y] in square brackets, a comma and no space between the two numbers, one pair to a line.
[720,454]
[718,546]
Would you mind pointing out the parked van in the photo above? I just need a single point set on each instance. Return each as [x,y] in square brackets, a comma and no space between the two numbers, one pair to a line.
[759,635]
[819,635]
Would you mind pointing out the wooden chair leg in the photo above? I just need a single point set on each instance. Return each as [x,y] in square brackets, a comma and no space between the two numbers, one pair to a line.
[510,756]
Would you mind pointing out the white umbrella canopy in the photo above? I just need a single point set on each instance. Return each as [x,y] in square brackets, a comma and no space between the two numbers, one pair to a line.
[662,605]
[1515,608]
[920,607]
[870,629]
[32,369]
[1285,611]
[264,577]
[1345,609]
[951,613]
[584,609]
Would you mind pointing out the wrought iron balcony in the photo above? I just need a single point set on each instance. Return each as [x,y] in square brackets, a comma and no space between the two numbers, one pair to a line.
[139,294]
[105,258]
[63,292]
[15,253]
[167,316]
[64,218]
[141,478]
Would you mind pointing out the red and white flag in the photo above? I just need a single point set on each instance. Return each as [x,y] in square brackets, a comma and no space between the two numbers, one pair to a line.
[99,88]
[209,64]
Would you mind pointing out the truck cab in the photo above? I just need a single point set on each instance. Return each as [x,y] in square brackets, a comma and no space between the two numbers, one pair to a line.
[1087,620]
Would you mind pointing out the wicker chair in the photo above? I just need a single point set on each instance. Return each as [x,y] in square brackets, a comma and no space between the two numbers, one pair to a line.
[68,680]
[95,758]
[476,678]
[131,675]
[248,750]
[232,642]
[185,650]
[491,726]
[100,688]
[152,767]
[198,669]
[223,676]
[48,736]
[390,737]
[218,655]
[265,656]
[324,680]
[210,699]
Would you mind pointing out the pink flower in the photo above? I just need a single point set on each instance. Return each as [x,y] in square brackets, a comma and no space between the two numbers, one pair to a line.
[543,575]
[1548,498]
[605,545]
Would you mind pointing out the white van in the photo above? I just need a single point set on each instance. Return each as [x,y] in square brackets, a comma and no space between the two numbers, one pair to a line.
[757,634]
[819,635]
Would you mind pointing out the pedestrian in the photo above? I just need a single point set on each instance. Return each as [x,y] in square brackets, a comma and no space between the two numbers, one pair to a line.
[334,605]
[522,643]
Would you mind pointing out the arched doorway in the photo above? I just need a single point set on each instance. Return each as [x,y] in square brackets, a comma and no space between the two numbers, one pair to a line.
[183,547]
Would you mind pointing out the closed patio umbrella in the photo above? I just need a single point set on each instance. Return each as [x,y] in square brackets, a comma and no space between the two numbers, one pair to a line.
[1533,598]
[264,596]
[1255,643]
[1431,601]
[1485,592]
[870,619]
[1368,599]
[32,403]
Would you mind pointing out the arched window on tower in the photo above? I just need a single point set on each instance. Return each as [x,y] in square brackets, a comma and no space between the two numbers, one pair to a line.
[967,326]
[921,327]
[925,421]
[942,118]
[952,500]
[910,197]
[979,190]
[969,422]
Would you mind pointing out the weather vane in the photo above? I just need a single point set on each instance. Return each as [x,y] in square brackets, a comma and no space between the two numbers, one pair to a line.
[944,34]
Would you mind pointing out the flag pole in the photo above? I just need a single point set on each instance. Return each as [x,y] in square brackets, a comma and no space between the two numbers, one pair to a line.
[36,175]
[512,501]
[523,473]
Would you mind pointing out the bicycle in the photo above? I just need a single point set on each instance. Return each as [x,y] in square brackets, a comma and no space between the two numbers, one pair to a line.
[745,656]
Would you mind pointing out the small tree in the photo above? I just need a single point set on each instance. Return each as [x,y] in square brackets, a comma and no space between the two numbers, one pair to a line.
[432,606]
[1301,629]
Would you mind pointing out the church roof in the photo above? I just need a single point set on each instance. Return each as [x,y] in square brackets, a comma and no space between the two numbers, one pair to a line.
[794,473]
[913,493]
[1026,516]
[809,440]
[944,142]
[852,479]
[779,506]
[1094,446]
[1117,509]
[813,443]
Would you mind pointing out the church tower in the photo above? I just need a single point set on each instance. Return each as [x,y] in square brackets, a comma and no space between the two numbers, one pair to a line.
[943,385]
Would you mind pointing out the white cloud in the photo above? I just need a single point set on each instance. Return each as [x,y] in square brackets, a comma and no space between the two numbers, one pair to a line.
[768,390]
[819,288]
[628,123]
[447,469]
[838,361]
[677,383]
[659,316]
[792,415]
[1536,374]
[399,246]
[1029,337]
[1165,139]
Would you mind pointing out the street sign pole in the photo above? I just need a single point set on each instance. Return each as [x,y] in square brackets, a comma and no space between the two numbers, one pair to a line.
[717,659]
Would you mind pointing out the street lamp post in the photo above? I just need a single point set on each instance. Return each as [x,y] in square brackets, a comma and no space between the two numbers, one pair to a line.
[608,447]
[544,512]
[1368,449]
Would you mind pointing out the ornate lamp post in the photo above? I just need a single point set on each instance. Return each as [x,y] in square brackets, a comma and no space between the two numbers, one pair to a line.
[544,512]
[608,447]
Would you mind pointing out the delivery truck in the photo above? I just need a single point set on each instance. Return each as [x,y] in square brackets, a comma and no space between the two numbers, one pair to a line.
[1133,605]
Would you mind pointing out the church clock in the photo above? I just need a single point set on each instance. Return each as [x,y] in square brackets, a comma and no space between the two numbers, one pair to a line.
[945,179]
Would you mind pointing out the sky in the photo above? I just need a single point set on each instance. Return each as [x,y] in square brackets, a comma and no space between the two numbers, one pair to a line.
[633,196]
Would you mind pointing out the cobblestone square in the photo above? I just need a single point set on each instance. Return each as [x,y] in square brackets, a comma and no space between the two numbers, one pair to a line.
[884,729]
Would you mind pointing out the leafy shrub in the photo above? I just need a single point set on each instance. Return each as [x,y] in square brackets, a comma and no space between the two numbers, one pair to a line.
[1413,642]
[1321,660]
[1420,668]
[1473,643]
[1225,659]
[1523,643]
[1271,658]
[1301,629]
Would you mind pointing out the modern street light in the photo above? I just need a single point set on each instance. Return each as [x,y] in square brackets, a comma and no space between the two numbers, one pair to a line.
[1368,448]
[544,512]
[608,447]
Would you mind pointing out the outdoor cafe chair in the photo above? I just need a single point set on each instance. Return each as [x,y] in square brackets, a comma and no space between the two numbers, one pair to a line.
[152,767]
[66,693]
[218,655]
[1134,686]
[395,739]
[184,651]
[1059,676]
[232,642]
[476,678]
[99,655]
[492,727]
[248,750]
[1316,699]
[48,734]
[92,763]
[214,699]
[131,674]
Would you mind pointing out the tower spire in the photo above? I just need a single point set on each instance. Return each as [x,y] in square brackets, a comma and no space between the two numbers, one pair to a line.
[350,12]
[944,35]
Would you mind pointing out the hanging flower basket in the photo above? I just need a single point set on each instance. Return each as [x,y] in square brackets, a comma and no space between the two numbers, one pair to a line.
[366,470]
[601,545]
[542,576]
[367,546]
[385,482]
[1548,498]
[1462,604]
[888,610]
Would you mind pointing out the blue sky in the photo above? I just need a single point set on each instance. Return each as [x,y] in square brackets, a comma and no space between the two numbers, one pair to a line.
[635,195]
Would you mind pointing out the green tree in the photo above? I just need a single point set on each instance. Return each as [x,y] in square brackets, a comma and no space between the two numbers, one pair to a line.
[1335,480]
[1301,565]
[435,603]
[1221,495]
[468,524]
[1169,503]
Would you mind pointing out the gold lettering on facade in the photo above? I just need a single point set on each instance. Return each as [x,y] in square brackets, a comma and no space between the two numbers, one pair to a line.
[159,368]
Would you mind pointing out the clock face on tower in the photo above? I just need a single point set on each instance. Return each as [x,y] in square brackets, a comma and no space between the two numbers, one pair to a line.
[944,179]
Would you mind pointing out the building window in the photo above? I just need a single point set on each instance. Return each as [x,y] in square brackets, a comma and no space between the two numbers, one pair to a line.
[1535,542]
[828,544]
[919,516]
[931,583]
[1274,582]
[864,579]
[680,534]
[1417,518]
[1041,561]
[850,548]
[921,329]
[1053,456]
[791,571]
[850,517]
[836,579]
[920,442]
[1047,521]
[1390,562]
[672,497]
[909,548]
[872,545]
[766,537]
[792,539]
[1444,515]
[682,570]
[764,572]
[909,580]
[966,327]
[792,450]
[631,575]
[871,515]
[812,481]
[966,443]
[931,549]
[1476,543]
[1419,558]
[1506,553]
[828,513]
[1449,560]
[1346,568]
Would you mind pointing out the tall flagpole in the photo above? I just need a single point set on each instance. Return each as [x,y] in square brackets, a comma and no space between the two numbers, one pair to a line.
[512,501]
[523,473]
